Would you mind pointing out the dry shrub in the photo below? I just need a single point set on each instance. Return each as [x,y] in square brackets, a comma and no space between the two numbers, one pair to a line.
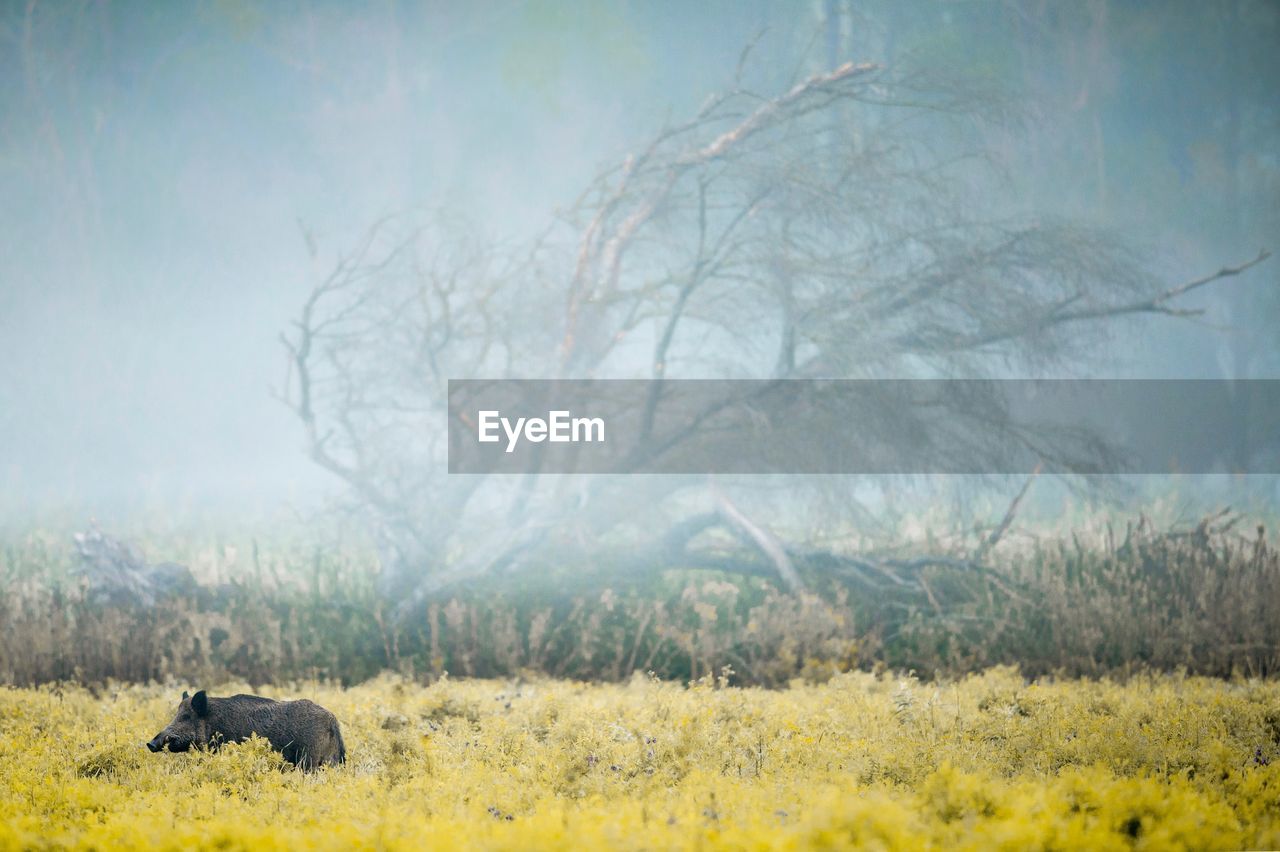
[1203,601]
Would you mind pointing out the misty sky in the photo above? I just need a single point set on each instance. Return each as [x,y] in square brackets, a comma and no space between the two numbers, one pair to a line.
[160,162]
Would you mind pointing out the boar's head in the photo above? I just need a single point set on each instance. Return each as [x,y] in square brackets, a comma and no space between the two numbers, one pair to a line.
[189,728]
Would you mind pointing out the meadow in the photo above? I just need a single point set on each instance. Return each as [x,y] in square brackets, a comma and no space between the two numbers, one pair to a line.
[861,761]
[1101,690]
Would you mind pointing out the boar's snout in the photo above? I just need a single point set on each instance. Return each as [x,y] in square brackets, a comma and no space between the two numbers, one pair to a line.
[162,739]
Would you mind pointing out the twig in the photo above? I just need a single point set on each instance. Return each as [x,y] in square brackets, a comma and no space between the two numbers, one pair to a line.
[762,538]
[1157,304]
[1003,527]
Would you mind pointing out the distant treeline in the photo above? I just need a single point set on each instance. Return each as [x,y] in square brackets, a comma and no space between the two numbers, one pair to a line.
[1204,600]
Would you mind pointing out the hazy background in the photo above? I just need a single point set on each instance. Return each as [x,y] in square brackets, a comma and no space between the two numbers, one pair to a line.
[163,165]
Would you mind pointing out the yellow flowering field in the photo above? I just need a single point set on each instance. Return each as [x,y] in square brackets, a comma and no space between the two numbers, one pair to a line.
[863,761]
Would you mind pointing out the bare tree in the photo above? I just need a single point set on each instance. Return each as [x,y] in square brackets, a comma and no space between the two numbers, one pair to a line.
[828,231]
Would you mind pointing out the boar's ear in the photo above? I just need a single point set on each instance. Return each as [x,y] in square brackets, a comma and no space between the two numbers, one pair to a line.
[185,696]
[200,703]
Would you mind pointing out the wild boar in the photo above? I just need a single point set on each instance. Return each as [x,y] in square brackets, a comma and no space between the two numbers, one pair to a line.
[306,734]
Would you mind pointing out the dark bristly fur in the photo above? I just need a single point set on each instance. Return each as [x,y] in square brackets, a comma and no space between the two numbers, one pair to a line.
[306,734]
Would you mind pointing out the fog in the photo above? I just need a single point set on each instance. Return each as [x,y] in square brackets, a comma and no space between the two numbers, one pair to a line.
[168,170]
